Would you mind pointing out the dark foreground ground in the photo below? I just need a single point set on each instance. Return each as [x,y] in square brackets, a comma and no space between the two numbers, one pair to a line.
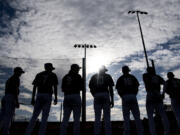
[18,128]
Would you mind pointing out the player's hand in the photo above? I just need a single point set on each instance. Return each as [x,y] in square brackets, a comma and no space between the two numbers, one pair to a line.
[55,101]
[112,104]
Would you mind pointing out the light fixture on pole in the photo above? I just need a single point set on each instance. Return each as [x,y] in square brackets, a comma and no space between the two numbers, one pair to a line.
[137,13]
[85,46]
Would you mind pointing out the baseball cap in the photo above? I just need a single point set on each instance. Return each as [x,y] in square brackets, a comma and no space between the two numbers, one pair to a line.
[18,70]
[48,66]
[75,66]
[125,68]
[170,75]
[103,68]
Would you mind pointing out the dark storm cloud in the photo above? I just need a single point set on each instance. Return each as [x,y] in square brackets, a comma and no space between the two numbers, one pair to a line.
[8,12]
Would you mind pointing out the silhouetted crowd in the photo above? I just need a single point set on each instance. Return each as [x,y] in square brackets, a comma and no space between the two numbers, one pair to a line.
[101,87]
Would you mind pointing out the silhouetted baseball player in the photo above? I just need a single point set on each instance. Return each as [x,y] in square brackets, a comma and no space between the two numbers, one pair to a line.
[71,86]
[10,100]
[172,88]
[101,87]
[46,84]
[154,99]
[127,87]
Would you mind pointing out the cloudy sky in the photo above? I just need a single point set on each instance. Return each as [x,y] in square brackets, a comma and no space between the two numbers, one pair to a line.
[33,32]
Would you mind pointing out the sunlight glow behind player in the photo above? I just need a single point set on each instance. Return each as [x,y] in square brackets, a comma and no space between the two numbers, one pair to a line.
[95,62]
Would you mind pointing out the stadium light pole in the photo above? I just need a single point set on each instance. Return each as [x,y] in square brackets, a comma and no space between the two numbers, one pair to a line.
[85,46]
[137,13]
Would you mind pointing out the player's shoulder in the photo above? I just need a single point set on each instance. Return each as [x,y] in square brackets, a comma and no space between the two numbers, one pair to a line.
[145,74]
[78,75]
[53,74]
[121,77]
[108,75]
[177,79]
[131,75]
[159,77]
[13,79]
[40,73]
[95,75]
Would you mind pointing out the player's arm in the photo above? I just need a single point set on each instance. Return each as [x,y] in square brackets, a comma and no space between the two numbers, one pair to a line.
[118,87]
[91,86]
[163,83]
[16,96]
[136,84]
[111,84]
[17,84]
[112,96]
[81,83]
[33,95]
[55,94]
[55,89]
